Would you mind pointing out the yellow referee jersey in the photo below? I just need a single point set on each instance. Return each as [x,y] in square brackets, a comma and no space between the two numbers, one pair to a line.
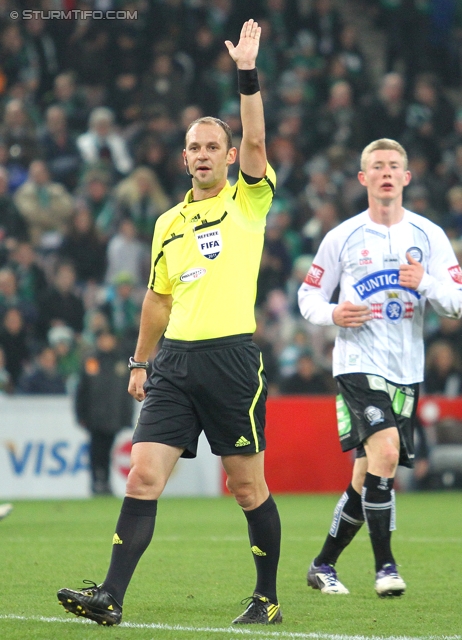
[206,254]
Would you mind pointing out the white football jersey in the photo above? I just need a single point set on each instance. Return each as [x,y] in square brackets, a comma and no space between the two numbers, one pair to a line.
[364,258]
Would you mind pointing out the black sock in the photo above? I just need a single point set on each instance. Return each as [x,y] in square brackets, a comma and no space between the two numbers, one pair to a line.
[378,500]
[265,540]
[347,521]
[134,531]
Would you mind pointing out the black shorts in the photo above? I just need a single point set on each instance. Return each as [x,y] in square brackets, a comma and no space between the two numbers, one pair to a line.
[217,386]
[368,403]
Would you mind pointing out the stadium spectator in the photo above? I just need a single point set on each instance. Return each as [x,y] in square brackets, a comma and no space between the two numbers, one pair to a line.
[10,296]
[442,371]
[423,176]
[127,254]
[59,304]
[43,378]
[287,161]
[62,340]
[16,343]
[13,227]
[97,193]
[452,220]
[156,449]
[354,60]
[43,53]
[46,205]
[102,147]
[325,21]
[325,217]
[18,133]
[164,85]
[123,307]
[18,61]
[70,97]
[59,148]
[125,99]
[83,247]
[378,358]
[307,379]
[446,330]
[298,344]
[103,406]
[31,280]
[385,114]
[141,198]
[151,151]
[405,23]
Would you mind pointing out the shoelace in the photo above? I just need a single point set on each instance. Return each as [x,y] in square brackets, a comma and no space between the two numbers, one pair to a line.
[250,599]
[88,591]
[257,602]
[330,575]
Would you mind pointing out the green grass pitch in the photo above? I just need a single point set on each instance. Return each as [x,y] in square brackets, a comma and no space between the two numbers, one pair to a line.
[199,567]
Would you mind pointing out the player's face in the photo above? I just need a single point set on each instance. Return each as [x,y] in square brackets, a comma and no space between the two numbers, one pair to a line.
[385,176]
[207,156]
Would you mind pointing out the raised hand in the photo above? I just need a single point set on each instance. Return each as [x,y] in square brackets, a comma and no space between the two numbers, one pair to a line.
[245,52]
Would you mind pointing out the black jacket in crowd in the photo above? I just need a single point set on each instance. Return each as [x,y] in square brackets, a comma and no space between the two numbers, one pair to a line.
[102,401]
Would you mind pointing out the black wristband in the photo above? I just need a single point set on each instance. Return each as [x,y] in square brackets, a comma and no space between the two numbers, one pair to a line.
[132,364]
[247,80]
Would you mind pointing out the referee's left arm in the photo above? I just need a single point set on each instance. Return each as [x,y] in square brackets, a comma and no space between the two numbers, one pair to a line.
[252,153]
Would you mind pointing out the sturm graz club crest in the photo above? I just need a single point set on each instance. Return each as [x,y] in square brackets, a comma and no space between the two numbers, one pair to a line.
[374,415]
[415,253]
[393,310]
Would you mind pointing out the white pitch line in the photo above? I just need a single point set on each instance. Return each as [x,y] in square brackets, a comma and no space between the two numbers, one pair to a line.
[230,630]
[304,539]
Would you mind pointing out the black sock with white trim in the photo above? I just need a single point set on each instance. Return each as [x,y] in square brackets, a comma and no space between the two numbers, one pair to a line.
[378,500]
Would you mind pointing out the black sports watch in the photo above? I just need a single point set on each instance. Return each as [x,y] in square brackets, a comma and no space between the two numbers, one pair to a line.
[133,364]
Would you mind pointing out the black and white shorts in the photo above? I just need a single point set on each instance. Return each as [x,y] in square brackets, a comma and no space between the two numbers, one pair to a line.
[217,386]
[369,403]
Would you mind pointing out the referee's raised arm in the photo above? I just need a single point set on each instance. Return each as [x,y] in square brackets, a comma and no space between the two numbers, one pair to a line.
[252,154]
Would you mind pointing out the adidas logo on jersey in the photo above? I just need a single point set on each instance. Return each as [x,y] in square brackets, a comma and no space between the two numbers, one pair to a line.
[242,442]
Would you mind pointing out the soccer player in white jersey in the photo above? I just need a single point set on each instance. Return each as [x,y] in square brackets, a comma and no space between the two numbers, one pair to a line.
[388,262]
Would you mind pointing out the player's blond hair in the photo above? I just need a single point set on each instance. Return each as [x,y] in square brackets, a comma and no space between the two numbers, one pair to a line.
[386,144]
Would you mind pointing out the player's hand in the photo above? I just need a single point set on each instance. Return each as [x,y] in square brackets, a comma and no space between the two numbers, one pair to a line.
[135,386]
[245,53]
[347,314]
[410,275]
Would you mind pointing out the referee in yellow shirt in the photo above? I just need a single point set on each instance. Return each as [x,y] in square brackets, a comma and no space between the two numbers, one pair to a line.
[208,375]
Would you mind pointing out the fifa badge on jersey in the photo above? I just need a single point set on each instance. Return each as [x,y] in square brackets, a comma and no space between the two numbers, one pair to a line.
[209,243]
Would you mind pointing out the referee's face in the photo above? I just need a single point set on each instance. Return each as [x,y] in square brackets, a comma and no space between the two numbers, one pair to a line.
[207,157]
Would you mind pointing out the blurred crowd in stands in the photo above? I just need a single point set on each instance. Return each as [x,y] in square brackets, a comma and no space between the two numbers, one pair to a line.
[93,114]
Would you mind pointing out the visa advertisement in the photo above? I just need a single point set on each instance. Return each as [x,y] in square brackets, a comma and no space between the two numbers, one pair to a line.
[44,454]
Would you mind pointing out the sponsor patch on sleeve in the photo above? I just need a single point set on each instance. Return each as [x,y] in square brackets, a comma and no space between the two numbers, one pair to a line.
[456,273]
[314,276]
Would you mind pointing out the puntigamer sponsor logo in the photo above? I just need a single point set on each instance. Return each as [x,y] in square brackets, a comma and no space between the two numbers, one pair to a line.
[380,281]
[193,274]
